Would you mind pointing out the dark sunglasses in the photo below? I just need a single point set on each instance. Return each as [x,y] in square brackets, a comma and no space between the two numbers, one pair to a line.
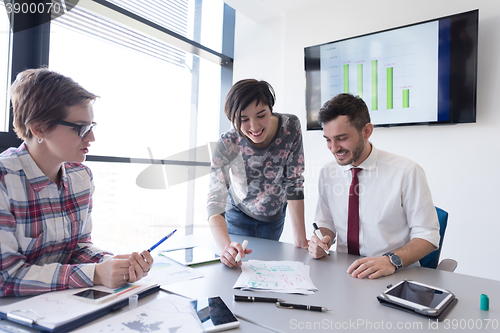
[83,130]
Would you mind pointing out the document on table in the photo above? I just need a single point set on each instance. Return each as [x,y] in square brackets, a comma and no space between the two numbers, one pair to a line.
[55,311]
[291,277]
[171,313]
[167,271]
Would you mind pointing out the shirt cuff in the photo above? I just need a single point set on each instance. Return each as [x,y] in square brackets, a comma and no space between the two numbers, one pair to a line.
[89,271]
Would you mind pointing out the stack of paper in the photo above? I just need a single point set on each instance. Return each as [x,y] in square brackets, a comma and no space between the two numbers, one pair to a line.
[291,277]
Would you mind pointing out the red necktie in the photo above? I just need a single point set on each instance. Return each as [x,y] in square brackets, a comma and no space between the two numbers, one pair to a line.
[353,214]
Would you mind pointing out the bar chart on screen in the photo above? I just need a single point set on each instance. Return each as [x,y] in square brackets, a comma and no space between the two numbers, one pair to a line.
[392,73]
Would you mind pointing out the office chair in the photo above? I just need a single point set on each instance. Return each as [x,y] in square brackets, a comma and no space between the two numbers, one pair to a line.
[432,259]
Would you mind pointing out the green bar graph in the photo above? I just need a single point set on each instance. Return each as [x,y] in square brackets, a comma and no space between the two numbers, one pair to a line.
[374,85]
[360,80]
[389,88]
[406,98]
[346,78]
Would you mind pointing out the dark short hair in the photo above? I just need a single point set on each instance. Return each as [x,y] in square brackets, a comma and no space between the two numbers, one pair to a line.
[242,94]
[345,105]
[43,96]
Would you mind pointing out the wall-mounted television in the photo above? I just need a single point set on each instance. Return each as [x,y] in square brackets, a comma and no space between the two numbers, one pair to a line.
[423,73]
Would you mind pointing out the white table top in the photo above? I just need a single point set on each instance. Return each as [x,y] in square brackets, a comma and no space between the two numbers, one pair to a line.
[353,303]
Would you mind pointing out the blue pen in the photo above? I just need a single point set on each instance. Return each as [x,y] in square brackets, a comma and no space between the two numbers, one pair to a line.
[161,241]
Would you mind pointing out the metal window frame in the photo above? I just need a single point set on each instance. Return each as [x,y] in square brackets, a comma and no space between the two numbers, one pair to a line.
[30,49]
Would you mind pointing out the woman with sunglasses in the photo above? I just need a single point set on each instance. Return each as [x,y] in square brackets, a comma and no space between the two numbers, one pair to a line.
[46,194]
[257,169]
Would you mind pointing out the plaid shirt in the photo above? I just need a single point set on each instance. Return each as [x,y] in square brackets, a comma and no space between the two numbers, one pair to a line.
[45,240]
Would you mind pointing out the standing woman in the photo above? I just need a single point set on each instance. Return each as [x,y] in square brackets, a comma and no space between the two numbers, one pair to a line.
[46,194]
[257,169]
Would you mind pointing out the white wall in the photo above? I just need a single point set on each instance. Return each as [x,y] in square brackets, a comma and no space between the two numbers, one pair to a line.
[459,160]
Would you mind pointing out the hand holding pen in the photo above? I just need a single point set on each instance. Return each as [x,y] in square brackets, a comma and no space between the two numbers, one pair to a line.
[123,268]
[231,254]
[318,245]
[142,265]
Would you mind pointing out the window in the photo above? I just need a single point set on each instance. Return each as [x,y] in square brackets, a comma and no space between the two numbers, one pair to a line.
[4,68]
[156,102]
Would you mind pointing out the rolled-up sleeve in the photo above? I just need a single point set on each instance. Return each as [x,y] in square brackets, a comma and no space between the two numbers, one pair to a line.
[419,207]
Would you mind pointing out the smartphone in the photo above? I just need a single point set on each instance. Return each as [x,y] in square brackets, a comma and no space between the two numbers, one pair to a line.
[421,298]
[93,296]
[214,314]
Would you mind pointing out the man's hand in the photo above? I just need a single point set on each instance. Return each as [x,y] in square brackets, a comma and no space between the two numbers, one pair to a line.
[371,267]
[318,247]
[229,253]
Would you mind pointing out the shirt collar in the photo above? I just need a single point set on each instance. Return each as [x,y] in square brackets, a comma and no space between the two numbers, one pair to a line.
[37,179]
[369,164]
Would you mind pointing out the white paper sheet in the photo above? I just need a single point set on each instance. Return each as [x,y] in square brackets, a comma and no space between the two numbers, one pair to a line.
[171,313]
[167,271]
[291,277]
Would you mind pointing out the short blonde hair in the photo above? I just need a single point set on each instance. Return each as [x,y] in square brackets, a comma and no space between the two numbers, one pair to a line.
[43,96]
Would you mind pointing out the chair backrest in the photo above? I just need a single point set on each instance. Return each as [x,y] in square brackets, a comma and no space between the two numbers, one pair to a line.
[432,259]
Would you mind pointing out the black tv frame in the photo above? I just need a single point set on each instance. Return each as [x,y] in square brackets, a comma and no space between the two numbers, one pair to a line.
[462,98]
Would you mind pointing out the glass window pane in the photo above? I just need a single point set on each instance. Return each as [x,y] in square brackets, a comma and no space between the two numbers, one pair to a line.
[145,101]
[4,68]
[155,101]
[200,21]
[124,214]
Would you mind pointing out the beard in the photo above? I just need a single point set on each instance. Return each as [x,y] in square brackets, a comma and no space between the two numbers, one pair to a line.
[356,153]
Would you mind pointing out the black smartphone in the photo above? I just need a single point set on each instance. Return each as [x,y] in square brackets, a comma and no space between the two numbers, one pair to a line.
[214,314]
[93,296]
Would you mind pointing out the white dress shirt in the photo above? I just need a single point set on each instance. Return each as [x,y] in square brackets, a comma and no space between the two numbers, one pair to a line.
[395,203]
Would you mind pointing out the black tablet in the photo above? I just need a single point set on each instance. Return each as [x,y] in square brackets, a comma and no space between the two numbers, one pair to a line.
[419,297]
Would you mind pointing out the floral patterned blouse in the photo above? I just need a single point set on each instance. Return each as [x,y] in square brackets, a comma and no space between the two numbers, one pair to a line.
[260,180]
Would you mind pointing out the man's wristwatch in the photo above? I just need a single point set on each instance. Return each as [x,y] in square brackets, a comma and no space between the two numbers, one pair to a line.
[395,259]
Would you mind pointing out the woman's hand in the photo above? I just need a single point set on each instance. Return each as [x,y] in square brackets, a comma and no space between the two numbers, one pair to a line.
[140,265]
[229,253]
[123,268]
[112,273]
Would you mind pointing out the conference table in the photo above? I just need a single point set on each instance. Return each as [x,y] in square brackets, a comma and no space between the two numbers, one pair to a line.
[352,302]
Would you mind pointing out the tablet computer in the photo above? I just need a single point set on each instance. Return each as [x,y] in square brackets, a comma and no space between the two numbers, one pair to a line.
[419,297]
[191,256]
[214,314]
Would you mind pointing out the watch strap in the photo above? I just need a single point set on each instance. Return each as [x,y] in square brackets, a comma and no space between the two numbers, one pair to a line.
[390,255]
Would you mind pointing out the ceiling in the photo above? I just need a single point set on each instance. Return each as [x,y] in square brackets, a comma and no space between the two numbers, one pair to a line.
[261,11]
